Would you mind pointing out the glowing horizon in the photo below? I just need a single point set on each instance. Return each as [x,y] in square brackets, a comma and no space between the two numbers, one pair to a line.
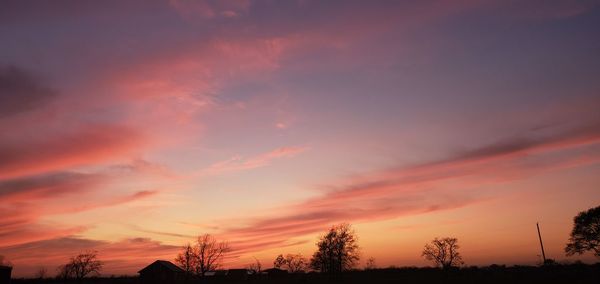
[132,127]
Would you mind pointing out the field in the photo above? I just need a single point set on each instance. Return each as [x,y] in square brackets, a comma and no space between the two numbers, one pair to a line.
[573,273]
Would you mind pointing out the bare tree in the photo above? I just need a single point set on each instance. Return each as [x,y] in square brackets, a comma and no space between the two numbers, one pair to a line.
[296,263]
[279,262]
[443,252]
[209,253]
[187,258]
[370,265]
[81,266]
[64,272]
[337,250]
[41,273]
[254,268]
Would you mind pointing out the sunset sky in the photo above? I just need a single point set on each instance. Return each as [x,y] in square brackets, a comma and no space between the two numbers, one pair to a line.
[130,127]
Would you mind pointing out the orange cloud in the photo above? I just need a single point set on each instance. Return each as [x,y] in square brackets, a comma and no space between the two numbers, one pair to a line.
[441,185]
[26,201]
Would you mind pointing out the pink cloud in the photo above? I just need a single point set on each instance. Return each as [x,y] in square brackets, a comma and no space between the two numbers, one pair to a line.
[239,163]
[154,97]
[26,201]
[113,200]
[440,185]
[88,145]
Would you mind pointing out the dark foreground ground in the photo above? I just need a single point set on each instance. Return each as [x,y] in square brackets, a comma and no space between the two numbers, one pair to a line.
[576,273]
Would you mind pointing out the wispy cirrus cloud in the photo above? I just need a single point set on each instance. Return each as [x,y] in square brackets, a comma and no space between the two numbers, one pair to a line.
[444,184]
[89,144]
[239,163]
[46,186]
[26,203]
[25,200]
[150,83]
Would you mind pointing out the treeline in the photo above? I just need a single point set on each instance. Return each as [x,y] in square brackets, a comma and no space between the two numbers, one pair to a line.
[337,252]
[576,273]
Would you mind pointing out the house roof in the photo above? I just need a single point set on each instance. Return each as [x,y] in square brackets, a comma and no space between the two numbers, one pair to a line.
[167,264]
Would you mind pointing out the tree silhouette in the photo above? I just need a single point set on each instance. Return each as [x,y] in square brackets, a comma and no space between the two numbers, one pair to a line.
[254,268]
[279,262]
[293,263]
[81,266]
[443,252]
[187,259]
[41,273]
[370,265]
[209,253]
[296,263]
[585,235]
[337,250]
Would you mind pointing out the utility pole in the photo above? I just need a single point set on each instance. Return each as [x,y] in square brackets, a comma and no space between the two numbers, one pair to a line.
[541,244]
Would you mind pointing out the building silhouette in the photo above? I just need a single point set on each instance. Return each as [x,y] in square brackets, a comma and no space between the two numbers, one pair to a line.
[161,271]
